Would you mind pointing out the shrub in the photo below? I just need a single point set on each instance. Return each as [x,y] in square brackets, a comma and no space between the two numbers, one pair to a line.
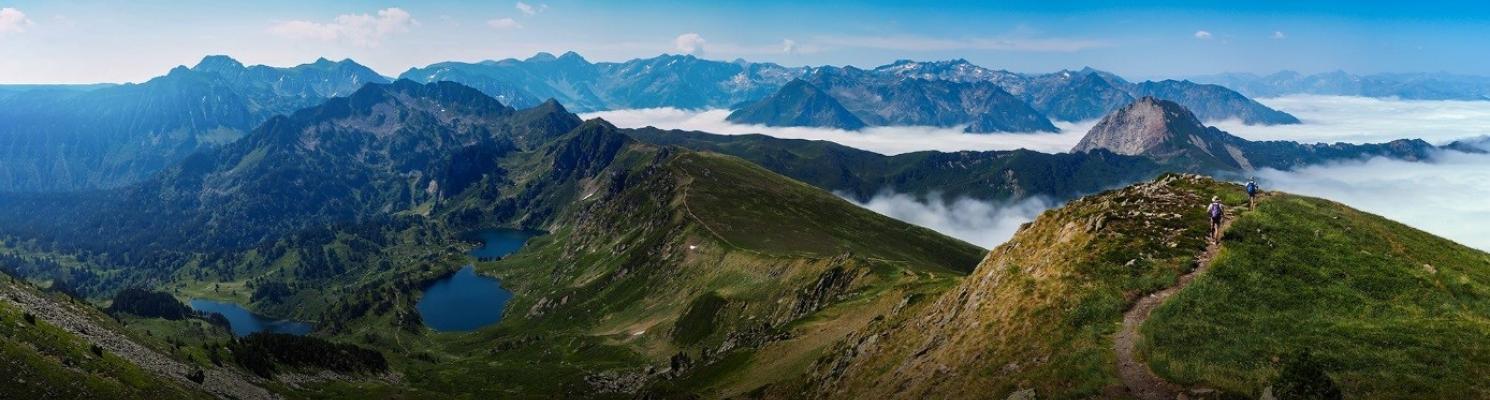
[1303,377]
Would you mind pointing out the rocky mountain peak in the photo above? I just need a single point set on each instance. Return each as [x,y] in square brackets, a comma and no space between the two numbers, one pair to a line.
[1141,127]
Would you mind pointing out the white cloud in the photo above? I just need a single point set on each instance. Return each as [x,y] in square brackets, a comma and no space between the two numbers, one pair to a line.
[362,30]
[1369,120]
[885,139]
[1445,197]
[788,46]
[922,43]
[13,21]
[504,24]
[983,223]
[530,10]
[1278,35]
[690,43]
[1203,35]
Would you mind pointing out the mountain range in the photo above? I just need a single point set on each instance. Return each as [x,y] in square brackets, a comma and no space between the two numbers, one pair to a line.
[1089,93]
[1411,86]
[71,137]
[80,137]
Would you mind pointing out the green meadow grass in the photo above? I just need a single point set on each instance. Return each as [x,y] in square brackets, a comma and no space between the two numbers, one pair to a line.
[1388,310]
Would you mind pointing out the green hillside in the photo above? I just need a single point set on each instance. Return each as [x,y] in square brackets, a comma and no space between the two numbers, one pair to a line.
[680,273]
[1388,311]
[1382,310]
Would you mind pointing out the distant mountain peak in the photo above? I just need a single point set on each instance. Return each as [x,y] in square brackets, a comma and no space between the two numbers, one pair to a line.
[1141,127]
[542,56]
[571,56]
[217,63]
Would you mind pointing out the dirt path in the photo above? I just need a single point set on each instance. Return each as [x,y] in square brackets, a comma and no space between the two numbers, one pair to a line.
[1141,382]
[220,382]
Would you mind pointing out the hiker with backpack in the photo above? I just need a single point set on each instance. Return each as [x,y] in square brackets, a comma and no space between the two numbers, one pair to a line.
[1216,211]
[1252,193]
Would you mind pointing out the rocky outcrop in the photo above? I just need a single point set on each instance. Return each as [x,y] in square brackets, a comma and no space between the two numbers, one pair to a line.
[221,382]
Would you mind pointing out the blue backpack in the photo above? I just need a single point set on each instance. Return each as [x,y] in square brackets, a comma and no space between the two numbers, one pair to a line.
[1215,210]
[1251,188]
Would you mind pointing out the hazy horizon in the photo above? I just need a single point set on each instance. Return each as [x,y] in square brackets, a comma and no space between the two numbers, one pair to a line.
[92,41]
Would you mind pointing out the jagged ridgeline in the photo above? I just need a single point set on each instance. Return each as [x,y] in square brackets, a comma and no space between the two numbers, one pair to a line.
[1382,310]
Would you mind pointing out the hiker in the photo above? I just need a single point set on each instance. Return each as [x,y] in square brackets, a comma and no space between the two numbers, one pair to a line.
[1252,193]
[1216,212]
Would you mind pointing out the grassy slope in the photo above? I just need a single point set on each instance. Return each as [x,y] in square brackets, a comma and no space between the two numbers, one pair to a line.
[1040,311]
[41,361]
[604,290]
[1391,311]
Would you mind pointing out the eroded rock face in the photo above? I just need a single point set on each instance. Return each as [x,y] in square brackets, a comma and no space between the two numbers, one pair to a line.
[1141,128]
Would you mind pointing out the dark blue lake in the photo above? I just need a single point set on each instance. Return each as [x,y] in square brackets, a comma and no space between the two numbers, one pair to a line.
[246,323]
[466,301]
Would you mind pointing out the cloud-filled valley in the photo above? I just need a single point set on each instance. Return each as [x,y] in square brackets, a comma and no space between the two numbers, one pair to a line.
[888,140]
[983,223]
[1445,197]
[1442,193]
[1366,120]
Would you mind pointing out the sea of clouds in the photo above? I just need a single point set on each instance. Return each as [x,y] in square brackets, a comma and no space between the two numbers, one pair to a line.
[983,223]
[1445,196]
[889,140]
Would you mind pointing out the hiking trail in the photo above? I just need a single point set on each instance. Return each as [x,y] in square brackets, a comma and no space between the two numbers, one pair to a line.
[1140,381]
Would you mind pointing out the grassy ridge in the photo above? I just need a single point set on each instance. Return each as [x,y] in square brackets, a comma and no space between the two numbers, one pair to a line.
[1390,311]
[1040,311]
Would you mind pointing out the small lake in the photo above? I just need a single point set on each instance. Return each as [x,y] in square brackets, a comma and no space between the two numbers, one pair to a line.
[466,301]
[246,323]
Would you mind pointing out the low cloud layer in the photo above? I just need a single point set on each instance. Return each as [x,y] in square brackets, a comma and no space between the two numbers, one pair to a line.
[885,140]
[1446,197]
[1368,120]
[983,223]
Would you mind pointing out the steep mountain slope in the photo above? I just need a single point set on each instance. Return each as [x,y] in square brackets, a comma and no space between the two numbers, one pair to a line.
[54,140]
[681,81]
[1039,314]
[1170,134]
[1084,97]
[880,100]
[56,349]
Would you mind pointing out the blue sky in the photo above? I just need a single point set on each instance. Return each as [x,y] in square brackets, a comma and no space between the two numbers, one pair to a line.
[111,41]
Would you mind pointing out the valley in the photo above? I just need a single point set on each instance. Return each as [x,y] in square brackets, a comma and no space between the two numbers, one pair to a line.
[765,201]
